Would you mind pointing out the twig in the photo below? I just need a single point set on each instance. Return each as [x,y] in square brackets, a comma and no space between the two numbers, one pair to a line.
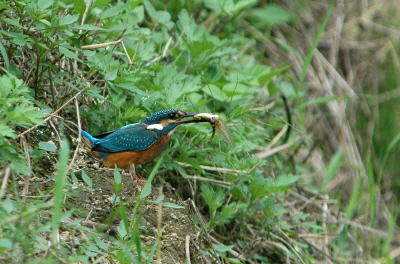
[126,53]
[88,4]
[28,160]
[78,117]
[202,226]
[159,225]
[101,45]
[183,32]
[222,170]
[52,114]
[134,54]
[164,54]
[6,172]
[220,183]
[234,253]
[187,249]
[269,152]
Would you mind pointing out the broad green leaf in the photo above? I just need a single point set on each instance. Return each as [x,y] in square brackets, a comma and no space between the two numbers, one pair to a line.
[112,11]
[44,4]
[5,244]
[47,146]
[214,91]
[272,14]
[286,180]
[222,248]
[13,22]
[68,19]
[111,75]
[6,85]
[46,22]
[132,88]
[8,205]
[79,6]
[69,54]
[239,5]
[3,5]
[99,3]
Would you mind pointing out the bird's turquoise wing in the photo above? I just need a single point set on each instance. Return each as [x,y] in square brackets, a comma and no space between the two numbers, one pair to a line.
[134,137]
[112,131]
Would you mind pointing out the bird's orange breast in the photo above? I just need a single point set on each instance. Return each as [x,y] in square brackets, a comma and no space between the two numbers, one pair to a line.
[125,159]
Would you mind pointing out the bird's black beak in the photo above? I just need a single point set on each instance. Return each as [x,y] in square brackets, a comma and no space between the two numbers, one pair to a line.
[191,114]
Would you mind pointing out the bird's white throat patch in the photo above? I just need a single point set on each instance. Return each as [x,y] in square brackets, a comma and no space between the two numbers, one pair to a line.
[155,127]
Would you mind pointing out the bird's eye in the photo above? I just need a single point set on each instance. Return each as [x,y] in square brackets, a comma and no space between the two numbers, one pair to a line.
[172,115]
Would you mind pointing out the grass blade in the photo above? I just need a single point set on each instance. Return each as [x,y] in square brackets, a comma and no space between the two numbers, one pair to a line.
[58,189]
[310,54]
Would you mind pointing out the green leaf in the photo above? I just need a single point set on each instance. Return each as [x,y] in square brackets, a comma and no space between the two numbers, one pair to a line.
[322,100]
[233,260]
[87,179]
[334,165]
[68,19]
[47,146]
[5,244]
[13,22]
[111,75]
[286,180]
[112,11]
[79,6]
[214,91]
[317,38]
[6,131]
[172,205]
[267,77]
[272,14]
[213,198]
[242,4]
[69,54]
[99,3]
[3,5]
[222,248]
[300,216]
[87,27]
[117,176]
[313,226]
[147,187]
[20,166]
[8,205]
[44,4]
[26,113]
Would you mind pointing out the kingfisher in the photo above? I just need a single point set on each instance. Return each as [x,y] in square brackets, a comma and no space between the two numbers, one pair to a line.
[138,143]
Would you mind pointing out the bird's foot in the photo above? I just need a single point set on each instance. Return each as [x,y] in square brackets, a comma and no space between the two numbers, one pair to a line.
[139,179]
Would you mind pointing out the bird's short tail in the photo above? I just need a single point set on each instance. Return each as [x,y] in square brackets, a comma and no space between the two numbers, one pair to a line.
[88,139]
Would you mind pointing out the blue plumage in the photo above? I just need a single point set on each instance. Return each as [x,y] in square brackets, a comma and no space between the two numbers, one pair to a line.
[133,137]
[91,139]
[161,115]
[137,143]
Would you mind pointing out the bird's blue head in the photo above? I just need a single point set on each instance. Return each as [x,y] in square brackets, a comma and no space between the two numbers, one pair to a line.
[169,119]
